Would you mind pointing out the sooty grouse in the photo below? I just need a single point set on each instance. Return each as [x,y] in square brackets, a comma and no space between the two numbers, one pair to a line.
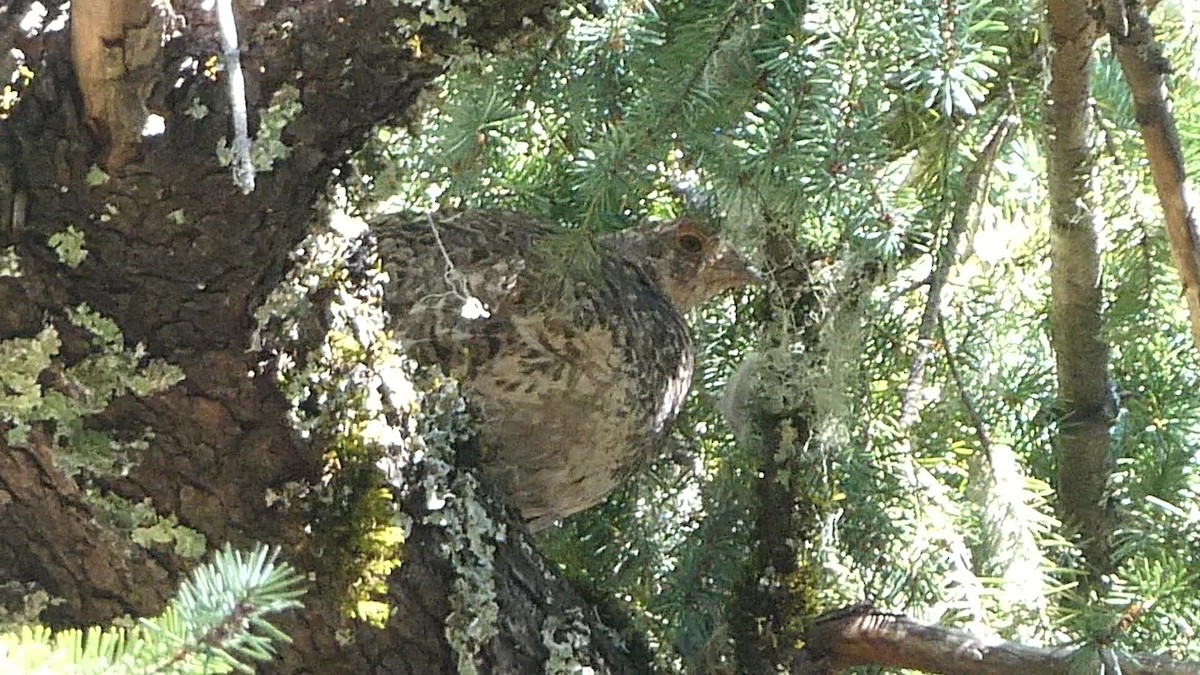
[578,372]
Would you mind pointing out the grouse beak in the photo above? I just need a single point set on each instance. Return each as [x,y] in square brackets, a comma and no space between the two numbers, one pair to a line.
[733,266]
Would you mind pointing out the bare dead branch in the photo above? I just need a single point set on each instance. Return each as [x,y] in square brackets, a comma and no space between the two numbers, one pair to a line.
[1144,66]
[861,636]
[964,395]
[939,505]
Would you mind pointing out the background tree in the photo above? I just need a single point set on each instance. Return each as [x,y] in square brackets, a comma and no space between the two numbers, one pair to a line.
[968,395]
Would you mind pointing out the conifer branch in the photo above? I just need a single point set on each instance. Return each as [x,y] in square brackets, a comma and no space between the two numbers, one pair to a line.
[216,623]
[735,12]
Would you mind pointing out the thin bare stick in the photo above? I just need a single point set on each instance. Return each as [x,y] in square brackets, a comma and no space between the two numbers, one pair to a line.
[243,167]
[946,256]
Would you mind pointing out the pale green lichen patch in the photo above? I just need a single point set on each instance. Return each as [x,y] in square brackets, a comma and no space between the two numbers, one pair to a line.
[10,263]
[116,370]
[452,501]
[22,360]
[439,12]
[96,176]
[568,640]
[470,547]
[36,388]
[327,369]
[146,526]
[68,245]
[73,393]
[366,400]
[196,110]
[267,147]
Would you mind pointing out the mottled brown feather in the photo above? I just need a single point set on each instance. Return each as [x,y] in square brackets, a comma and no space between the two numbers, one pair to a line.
[576,391]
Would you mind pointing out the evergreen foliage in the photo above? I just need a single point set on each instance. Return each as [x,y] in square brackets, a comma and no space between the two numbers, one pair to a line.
[217,623]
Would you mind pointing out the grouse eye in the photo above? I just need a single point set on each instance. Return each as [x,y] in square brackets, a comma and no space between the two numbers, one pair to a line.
[691,243]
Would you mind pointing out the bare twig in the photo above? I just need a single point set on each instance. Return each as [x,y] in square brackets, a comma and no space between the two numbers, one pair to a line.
[964,396]
[473,307]
[946,256]
[243,167]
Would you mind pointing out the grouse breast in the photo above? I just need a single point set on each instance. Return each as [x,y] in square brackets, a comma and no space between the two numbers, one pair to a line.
[577,390]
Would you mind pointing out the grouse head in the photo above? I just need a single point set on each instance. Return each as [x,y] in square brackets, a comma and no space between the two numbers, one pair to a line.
[693,264]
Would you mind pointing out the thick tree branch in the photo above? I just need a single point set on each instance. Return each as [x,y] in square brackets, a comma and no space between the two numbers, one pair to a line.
[861,636]
[1144,66]
[1080,350]
[526,586]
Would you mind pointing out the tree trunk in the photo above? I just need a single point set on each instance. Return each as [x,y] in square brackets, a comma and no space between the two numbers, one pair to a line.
[180,259]
[1081,353]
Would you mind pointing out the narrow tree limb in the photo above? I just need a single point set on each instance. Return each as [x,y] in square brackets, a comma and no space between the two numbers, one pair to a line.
[964,396]
[940,508]
[1143,64]
[1007,548]
[861,636]
[946,256]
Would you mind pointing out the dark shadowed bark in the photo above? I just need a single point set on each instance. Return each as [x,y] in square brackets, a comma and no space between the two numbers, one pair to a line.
[180,259]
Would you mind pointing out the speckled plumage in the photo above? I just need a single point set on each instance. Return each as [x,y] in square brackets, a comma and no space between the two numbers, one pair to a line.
[576,392]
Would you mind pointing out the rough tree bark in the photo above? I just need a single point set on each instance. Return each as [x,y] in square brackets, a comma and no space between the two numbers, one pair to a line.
[180,259]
